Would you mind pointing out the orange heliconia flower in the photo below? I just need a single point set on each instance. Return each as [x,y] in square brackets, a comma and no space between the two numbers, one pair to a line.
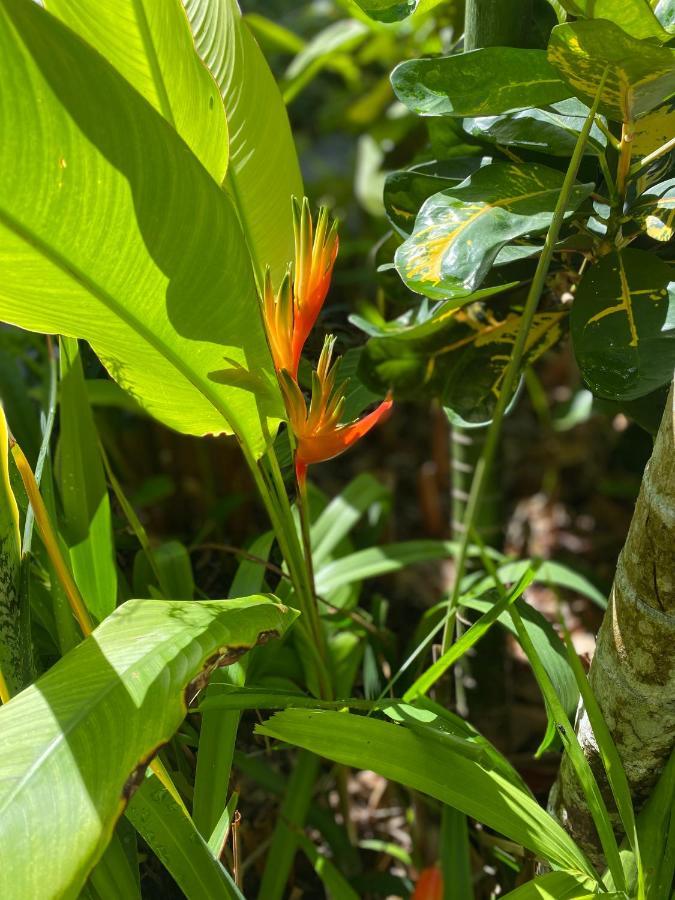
[291,312]
[318,431]
[429,884]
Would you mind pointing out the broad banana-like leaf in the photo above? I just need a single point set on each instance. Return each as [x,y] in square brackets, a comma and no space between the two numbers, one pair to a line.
[76,744]
[263,172]
[112,231]
[150,43]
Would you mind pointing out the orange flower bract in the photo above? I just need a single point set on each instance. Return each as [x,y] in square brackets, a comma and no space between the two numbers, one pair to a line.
[318,431]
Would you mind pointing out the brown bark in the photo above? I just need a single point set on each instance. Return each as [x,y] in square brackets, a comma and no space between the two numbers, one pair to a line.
[633,670]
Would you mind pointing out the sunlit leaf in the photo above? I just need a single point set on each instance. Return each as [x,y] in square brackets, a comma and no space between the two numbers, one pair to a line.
[263,172]
[485,82]
[388,10]
[639,75]
[654,129]
[635,17]
[655,210]
[77,742]
[623,325]
[555,886]
[150,43]
[423,761]
[87,522]
[459,231]
[112,231]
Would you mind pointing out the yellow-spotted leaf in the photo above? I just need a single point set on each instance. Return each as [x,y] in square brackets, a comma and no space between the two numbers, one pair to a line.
[655,210]
[150,43]
[112,231]
[623,325]
[458,356]
[635,17]
[459,232]
[485,82]
[654,129]
[639,74]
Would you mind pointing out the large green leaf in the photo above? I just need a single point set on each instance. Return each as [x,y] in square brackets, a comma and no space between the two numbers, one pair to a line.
[485,82]
[76,744]
[654,130]
[264,170]
[635,17]
[405,192]
[459,232]
[639,74]
[112,231]
[150,43]
[623,325]
[87,524]
[553,129]
[13,637]
[434,765]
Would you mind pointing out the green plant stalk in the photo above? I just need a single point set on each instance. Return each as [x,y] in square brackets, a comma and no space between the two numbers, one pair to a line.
[278,508]
[594,798]
[44,446]
[616,775]
[80,611]
[485,462]
[292,815]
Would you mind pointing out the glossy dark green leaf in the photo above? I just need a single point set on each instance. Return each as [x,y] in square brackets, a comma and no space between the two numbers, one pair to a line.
[640,74]
[635,17]
[458,357]
[422,761]
[623,325]
[552,129]
[459,231]
[485,82]
[655,210]
[112,231]
[387,10]
[87,523]
[405,192]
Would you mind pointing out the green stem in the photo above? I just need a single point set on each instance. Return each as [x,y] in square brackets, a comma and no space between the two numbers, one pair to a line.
[513,369]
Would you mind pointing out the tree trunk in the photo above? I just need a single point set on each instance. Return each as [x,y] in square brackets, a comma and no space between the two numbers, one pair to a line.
[633,670]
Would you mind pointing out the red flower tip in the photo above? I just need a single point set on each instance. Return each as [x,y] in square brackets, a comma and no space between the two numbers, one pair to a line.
[429,885]
[318,431]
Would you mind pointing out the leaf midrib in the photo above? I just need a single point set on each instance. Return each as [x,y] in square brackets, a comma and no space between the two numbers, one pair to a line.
[153,60]
[114,306]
